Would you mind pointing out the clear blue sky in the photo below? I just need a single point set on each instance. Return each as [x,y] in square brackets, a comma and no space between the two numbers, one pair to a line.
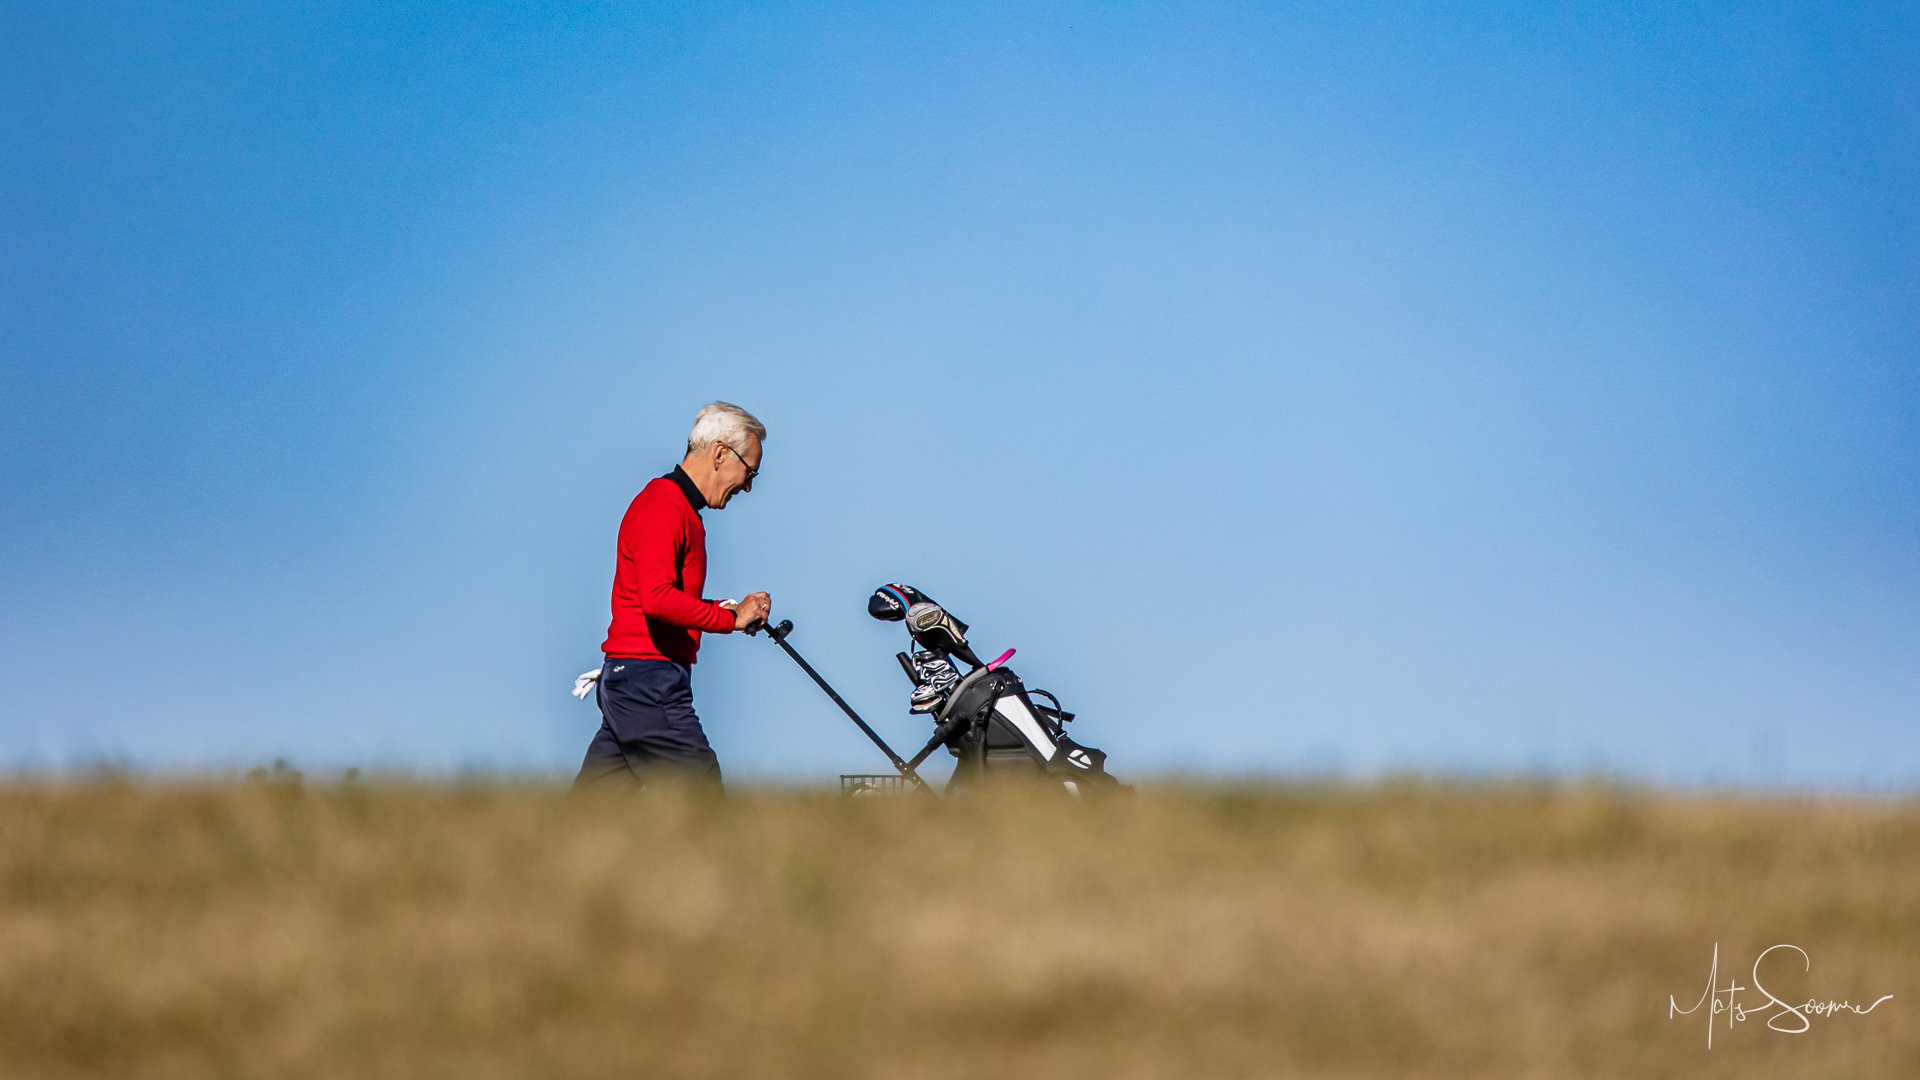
[1319,389]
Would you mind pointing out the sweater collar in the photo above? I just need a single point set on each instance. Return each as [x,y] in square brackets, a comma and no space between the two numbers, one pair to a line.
[694,498]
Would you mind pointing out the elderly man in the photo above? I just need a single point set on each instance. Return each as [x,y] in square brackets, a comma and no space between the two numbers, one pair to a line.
[648,730]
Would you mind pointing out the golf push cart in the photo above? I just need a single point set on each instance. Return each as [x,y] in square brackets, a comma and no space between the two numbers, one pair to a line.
[986,718]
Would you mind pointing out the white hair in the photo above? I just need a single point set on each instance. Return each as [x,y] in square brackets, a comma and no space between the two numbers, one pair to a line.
[724,423]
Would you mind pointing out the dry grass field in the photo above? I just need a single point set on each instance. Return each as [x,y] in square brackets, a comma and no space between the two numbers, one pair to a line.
[391,929]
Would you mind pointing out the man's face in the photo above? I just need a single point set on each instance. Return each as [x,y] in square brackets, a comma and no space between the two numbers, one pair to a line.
[736,470]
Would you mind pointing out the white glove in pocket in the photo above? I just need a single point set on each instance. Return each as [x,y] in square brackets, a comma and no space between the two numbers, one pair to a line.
[583,685]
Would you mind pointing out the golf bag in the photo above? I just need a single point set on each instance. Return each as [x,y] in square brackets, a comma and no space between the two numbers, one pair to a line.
[986,718]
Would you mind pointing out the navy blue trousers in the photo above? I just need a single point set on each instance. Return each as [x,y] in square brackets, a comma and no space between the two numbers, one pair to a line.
[648,730]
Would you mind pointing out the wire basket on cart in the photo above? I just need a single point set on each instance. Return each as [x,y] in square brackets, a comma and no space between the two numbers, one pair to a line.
[852,784]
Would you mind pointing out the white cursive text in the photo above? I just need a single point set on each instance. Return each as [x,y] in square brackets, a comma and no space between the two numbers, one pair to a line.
[1781,1016]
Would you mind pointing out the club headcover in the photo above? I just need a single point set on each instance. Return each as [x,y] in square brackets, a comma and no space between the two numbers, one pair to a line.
[889,603]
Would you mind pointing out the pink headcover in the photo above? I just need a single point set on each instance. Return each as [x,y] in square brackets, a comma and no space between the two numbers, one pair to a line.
[1004,657]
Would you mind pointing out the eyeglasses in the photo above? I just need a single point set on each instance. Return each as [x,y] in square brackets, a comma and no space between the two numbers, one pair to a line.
[752,470]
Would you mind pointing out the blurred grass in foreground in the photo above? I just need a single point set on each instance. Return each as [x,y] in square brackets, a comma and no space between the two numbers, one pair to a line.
[492,930]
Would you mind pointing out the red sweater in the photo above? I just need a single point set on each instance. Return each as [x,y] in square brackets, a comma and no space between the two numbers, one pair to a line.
[661,567]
